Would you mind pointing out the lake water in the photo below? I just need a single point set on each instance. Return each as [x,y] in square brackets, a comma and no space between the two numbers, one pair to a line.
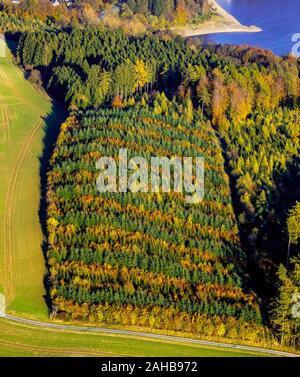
[279,20]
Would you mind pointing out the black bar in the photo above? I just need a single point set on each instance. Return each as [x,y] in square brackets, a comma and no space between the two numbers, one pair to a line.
[97,367]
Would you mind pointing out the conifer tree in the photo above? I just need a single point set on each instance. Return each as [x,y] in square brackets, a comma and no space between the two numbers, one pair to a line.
[286,313]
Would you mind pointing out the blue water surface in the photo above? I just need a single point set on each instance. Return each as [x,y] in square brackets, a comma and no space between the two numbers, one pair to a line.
[279,19]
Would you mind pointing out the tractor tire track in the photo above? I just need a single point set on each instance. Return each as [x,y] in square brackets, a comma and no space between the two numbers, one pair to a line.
[8,259]
[5,119]
[55,351]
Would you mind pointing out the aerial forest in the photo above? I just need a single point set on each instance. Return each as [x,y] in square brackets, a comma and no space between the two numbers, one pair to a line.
[228,267]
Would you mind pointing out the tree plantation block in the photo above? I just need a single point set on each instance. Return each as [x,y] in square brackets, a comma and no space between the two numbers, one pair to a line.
[144,259]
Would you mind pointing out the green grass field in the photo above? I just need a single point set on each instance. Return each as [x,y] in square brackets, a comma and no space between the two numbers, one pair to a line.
[24,115]
[21,340]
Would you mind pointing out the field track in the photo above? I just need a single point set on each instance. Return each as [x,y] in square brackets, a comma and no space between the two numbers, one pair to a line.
[5,120]
[8,257]
[64,352]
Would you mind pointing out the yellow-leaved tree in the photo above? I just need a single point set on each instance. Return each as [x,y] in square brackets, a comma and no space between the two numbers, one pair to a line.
[143,74]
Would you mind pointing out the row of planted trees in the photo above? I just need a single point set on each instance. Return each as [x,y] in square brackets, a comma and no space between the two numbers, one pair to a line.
[145,250]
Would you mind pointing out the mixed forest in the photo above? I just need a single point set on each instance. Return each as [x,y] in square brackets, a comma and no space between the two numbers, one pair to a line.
[133,16]
[228,267]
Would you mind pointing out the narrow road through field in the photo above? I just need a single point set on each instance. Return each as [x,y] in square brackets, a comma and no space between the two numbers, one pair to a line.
[49,325]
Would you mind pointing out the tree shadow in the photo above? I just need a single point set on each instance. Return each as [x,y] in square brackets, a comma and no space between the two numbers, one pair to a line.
[52,122]
[283,198]
[12,42]
[265,237]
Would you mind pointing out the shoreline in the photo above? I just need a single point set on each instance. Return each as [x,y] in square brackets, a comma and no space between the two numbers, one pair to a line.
[222,22]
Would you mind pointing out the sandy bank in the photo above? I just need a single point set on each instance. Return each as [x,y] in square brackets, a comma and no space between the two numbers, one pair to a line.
[222,22]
